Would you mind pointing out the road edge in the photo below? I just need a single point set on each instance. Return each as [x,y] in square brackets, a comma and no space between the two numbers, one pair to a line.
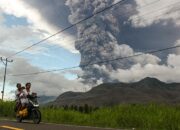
[70,125]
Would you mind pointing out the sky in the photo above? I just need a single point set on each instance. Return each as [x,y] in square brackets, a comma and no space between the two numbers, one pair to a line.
[134,27]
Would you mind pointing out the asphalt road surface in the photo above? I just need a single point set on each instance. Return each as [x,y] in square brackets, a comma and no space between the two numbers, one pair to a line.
[12,125]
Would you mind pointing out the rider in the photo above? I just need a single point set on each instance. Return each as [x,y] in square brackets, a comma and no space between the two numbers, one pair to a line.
[28,90]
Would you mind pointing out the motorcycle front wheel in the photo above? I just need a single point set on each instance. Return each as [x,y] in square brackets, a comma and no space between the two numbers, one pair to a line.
[36,116]
[18,119]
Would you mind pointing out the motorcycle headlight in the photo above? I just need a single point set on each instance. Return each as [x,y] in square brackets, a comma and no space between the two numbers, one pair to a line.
[36,105]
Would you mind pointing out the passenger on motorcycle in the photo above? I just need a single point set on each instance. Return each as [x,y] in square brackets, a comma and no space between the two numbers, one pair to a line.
[23,98]
[17,93]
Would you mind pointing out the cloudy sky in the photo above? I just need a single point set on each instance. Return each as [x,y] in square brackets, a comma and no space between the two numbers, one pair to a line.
[132,27]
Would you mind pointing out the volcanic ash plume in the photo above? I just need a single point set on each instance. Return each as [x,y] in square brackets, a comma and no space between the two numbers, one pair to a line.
[98,36]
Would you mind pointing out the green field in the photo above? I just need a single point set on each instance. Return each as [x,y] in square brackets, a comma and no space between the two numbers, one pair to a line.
[150,117]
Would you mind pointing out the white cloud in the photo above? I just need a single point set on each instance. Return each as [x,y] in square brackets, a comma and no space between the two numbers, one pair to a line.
[174,60]
[16,38]
[1,17]
[159,10]
[177,50]
[126,51]
[49,84]
[147,58]
[19,8]
[38,23]
[166,73]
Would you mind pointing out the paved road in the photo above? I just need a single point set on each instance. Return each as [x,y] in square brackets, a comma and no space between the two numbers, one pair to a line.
[12,125]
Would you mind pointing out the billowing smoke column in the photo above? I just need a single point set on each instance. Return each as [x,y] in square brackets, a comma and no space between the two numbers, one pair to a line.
[98,37]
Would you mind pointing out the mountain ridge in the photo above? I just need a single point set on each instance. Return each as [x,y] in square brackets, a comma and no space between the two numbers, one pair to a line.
[108,94]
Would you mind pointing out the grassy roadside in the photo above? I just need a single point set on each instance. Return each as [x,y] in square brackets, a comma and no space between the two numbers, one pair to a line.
[7,110]
[161,117]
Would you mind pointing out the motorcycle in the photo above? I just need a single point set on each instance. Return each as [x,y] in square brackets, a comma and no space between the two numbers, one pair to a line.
[31,112]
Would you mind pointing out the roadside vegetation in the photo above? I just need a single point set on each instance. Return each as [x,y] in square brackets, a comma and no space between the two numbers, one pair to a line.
[7,109]
[151,116]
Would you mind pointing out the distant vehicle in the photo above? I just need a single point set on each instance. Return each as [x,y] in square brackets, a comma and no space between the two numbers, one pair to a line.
[32,112]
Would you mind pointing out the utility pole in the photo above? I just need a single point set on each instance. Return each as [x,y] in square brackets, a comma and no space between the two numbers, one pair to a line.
[5,62]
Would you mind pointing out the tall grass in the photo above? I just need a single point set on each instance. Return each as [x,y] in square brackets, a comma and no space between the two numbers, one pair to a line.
[124,116]
[146,117]
[7,109]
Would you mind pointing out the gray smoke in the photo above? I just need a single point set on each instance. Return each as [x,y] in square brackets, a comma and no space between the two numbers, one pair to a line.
[98,38]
